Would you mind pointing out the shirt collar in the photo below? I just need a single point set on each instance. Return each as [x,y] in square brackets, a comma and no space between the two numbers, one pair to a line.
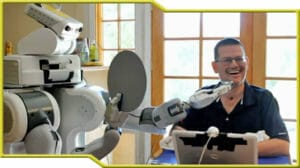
[249,96]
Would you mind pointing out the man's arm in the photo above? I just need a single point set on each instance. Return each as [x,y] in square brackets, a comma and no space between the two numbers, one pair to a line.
[273,147]
[275,128]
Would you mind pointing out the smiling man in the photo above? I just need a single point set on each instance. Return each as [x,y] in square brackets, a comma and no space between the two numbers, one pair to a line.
[245,108]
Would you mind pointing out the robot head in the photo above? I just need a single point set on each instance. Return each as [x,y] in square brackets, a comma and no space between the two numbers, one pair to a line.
[63,25]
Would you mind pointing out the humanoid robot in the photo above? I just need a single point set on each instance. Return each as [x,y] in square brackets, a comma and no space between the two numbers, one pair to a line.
[48,107]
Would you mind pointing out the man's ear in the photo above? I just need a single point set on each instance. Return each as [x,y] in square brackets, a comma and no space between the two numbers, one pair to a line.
[215,66]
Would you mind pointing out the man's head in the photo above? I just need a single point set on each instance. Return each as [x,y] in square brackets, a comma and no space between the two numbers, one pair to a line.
[231,62]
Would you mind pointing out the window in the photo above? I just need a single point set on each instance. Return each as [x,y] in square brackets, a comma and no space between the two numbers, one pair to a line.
[281,53]
[188,49]
[281,60]
[183,50]
[115,29]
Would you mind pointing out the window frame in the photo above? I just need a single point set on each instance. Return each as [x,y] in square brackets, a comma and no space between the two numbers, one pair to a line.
[99,29]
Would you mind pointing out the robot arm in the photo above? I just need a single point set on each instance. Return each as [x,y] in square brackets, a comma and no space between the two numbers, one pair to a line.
[174,110]
[156,119]
[43,139]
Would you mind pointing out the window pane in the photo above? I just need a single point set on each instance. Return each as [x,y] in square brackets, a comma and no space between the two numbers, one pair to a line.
[127,34]
[281,24]
[181,58]
[127,11]
[285,93]
[221,24]
[110,11]
[181,24]
[108,56]
[207,82]
[110,35]
[180,88]
[281,58]
[208,57]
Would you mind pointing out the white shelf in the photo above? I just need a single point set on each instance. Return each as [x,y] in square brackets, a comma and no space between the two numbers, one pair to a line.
[94,68]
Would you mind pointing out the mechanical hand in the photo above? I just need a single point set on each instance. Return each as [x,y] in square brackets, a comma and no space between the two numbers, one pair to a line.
[113,116]
[205,97]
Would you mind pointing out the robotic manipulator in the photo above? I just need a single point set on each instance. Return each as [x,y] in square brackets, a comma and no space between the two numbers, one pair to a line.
[48,108]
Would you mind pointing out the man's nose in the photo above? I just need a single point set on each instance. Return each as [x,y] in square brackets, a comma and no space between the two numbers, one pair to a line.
[234,62]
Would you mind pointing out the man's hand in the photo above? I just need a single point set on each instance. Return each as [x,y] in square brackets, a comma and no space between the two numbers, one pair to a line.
[113,116]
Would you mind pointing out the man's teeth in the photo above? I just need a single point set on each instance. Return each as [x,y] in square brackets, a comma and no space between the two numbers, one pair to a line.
[234,72]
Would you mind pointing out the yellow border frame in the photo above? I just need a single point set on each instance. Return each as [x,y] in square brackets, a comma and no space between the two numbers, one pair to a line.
[153,2]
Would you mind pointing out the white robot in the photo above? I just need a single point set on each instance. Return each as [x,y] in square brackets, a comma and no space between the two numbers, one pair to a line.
[48,107]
